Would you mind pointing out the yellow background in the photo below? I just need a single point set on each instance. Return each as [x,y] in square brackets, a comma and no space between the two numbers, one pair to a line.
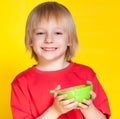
[97,23]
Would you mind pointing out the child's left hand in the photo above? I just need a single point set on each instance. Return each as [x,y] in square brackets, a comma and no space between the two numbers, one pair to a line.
[87,103]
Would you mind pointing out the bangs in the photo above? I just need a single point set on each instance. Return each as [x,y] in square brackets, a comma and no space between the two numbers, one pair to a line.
[49,11]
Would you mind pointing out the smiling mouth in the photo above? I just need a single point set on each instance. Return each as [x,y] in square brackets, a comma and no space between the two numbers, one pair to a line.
[49,49]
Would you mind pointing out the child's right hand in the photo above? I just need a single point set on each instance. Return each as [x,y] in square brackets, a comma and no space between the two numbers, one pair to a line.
[62,106]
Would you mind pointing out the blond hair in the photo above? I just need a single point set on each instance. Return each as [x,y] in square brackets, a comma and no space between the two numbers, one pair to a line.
[46,11]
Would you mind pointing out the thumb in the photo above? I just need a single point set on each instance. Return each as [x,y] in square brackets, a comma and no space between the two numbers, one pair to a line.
[57,90]
[58,87]
[88,82]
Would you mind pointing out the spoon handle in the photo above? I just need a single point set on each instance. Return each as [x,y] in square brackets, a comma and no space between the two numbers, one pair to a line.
[52,91]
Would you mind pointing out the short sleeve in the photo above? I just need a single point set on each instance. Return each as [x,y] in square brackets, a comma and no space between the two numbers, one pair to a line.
[19,100]
[101,100]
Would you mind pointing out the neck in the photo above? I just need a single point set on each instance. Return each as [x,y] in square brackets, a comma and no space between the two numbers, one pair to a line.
[52,65]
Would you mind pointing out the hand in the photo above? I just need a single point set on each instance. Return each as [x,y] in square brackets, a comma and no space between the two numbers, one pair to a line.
[62,106]
[87,103]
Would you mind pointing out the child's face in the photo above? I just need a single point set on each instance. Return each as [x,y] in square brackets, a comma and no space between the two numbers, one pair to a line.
[50,40]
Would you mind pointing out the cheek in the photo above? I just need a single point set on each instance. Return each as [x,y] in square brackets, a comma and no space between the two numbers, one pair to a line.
[67,42]
[36,42]
[65,45]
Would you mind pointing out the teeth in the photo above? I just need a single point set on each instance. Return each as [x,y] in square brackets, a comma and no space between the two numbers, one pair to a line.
[49,49]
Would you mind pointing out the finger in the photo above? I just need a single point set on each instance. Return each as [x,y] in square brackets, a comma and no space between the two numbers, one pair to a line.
[71,105]
[58,87]
[88,82]
[61,97]
[57,90]
[83,106]
[93,95]
[87,102]
[66,102]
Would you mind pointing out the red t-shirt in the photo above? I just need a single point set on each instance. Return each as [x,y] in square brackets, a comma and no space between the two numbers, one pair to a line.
[31,90]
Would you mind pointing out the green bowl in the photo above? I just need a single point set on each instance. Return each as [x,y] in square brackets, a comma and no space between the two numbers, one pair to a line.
[79,93]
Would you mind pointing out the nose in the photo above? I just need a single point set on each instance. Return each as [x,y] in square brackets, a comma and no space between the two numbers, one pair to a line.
[49,38]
